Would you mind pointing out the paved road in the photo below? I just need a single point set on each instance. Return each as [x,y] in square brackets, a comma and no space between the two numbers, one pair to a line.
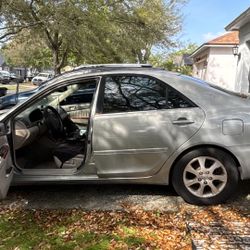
[106,197]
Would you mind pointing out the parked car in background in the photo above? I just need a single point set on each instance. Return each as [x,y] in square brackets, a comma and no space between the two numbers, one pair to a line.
[4,77]
[15,78]
[30,75]
[41,77]
[8,101]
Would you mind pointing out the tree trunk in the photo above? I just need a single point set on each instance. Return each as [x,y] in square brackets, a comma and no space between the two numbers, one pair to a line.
[143,55]
[147,55]
[56,63]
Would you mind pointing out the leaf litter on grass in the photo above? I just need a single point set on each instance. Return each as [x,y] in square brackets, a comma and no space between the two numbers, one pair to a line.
[130,228]
[78,229]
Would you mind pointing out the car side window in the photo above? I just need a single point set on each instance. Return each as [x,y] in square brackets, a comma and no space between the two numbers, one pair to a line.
[140,93]
[82,96]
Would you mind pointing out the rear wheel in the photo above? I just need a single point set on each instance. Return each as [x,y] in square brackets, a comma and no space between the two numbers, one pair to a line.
[205,176]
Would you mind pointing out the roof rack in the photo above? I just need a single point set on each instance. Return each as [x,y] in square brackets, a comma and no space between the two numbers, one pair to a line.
[87,66]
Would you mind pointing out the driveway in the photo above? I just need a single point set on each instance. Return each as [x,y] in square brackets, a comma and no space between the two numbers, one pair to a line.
[94,197]
[107,197]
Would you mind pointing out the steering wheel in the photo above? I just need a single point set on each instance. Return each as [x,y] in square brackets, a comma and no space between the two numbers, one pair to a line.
[54,122]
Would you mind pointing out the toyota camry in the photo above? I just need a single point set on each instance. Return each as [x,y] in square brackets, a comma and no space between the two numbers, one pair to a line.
[129,124]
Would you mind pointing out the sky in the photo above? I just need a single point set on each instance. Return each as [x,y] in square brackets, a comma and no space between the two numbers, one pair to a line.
[206,19]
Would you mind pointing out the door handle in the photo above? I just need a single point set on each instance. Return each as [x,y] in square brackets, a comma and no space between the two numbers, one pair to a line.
[182,121]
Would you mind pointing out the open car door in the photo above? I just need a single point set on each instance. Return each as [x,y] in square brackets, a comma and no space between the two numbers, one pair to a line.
[6,166]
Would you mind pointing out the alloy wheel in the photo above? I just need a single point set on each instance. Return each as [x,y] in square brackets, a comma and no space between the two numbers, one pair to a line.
[205,176]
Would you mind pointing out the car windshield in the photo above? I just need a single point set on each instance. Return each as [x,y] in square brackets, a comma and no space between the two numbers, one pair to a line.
[59,96]
[5,73]
[55,97]
[211,85]
[43,75]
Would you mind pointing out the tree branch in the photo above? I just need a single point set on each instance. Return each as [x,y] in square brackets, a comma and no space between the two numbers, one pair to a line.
[34,15]
[19,26]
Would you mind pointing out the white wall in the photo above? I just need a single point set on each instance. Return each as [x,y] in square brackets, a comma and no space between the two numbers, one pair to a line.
[221,67]
[243,69]
[200,67]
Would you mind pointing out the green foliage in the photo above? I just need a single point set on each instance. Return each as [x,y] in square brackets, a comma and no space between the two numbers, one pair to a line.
[168,62]
[188,49]
[28,51]
[133,241]
[86,31]
[26,230]
[185,70]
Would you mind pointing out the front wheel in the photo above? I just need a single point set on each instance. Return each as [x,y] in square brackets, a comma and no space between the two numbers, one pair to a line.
[205,176]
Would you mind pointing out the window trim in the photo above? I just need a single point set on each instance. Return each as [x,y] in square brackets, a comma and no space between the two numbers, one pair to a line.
[100,101]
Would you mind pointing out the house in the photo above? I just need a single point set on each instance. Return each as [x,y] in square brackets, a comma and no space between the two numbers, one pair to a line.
[242,25]
[19,71]
[182,60]
[215,62]
[3,65]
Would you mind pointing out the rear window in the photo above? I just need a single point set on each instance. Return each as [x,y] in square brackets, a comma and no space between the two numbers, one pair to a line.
[43,74]
[211,85]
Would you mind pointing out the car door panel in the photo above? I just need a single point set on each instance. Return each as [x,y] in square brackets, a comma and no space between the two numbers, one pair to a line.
[78,113]
[78,105]
[6,167]
[138,143]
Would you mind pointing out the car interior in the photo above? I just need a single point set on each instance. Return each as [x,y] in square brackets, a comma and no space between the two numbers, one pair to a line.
[52,132]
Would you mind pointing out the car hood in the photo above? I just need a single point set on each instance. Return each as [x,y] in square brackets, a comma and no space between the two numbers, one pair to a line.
[40,78]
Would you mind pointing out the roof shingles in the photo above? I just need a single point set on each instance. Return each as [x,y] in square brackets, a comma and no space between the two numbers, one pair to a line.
[228,38]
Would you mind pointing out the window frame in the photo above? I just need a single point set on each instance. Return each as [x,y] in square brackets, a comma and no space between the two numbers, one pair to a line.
[20,107]
[100,101]
[9,119]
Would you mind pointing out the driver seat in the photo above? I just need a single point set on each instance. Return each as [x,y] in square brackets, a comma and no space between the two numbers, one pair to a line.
[68,155]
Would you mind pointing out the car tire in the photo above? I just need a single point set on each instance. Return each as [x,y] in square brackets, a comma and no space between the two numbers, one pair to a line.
[205,176]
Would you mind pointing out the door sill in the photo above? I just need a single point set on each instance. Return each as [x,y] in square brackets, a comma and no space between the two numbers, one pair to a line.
[47,172]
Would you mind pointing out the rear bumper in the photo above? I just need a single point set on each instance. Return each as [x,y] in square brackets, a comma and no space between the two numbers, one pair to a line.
[242,153]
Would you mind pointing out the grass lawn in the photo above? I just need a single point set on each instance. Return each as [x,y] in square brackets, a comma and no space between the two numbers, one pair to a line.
[22,86]
[95,230]
[131,228]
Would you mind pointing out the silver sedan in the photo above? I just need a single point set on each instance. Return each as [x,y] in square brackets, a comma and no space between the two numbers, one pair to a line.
[129,124]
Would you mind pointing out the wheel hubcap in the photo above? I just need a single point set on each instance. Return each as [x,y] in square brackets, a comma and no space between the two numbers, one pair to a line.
[205,176]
